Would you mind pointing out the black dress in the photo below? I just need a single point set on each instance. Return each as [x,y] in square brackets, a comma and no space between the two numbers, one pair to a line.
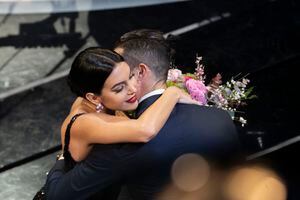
[110,193]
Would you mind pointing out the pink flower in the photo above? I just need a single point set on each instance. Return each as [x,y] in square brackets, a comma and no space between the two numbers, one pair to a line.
[199,71]
[197,90]
[174,74]
[186,78]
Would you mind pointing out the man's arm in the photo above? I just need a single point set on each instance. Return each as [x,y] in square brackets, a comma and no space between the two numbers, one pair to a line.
[100,170]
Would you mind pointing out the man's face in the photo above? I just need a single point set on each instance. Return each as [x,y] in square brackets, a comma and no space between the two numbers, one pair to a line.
[135,71]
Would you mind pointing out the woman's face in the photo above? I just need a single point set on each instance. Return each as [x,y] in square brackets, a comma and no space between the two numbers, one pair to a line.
[119,90]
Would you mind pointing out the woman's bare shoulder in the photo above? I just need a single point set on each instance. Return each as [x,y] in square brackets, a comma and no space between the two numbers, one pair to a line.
[84,122]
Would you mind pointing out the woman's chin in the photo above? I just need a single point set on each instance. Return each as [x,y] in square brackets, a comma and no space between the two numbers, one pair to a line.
[131,106]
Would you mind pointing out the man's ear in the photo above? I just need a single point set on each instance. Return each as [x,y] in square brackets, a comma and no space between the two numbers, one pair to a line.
[143,70]
[94,99]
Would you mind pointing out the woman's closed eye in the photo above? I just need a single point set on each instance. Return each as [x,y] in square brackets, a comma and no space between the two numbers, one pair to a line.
[119,88]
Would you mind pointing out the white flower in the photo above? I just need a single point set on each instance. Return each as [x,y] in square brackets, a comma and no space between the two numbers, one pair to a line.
[174,74]
[198,59]
[243,121]
[245,81]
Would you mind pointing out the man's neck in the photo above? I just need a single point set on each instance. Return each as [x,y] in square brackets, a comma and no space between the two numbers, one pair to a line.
[158,86]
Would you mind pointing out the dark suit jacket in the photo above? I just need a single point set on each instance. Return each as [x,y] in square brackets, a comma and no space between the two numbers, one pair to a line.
[145,168]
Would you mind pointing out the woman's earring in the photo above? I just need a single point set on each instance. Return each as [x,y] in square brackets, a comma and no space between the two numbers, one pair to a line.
[99,108]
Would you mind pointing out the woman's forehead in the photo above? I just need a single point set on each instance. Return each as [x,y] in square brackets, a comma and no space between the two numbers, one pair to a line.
[120,73]
[121,67]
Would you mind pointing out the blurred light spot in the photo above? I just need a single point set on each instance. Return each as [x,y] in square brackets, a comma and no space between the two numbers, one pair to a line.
[190,172]
[255,182]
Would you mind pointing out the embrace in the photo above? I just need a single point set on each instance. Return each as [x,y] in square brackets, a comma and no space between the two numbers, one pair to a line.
[105,152]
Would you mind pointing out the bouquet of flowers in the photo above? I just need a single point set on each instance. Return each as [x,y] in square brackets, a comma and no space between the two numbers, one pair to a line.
[229,96]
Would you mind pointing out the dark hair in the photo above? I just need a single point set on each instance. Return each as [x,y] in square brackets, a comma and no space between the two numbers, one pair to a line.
[90,69]
[147,46]
[141,33]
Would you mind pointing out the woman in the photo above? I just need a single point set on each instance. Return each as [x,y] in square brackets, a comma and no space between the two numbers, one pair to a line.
[103,80]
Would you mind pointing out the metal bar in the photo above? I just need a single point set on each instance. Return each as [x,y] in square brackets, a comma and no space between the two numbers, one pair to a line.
[197,25]
[33,84]
[274,148]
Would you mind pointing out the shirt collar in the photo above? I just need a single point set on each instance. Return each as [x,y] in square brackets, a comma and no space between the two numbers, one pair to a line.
[152,93]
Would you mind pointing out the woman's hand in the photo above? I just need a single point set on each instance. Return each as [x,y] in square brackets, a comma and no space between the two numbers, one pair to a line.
[183,97]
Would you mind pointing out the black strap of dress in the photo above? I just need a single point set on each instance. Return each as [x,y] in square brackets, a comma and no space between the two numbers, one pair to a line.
[69,161]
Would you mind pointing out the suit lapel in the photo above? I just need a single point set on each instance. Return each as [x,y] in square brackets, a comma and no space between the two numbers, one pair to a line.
[145,104]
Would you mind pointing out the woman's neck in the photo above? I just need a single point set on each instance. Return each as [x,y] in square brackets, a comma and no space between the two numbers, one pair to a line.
[87,106]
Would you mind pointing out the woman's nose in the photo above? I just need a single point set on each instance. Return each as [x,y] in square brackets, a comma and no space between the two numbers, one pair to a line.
[132,85]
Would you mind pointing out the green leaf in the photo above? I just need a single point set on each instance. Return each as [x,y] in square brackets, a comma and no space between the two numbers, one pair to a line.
[179,85]
[191,75]
[248,92]
[253,97]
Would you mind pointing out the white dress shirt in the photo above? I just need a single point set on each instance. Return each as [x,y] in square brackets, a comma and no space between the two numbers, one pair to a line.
[152,93]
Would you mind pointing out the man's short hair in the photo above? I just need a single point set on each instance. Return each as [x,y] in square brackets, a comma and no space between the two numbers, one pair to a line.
[142,33]
[149,47]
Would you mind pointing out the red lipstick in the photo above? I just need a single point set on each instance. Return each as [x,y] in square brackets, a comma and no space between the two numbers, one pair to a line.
[132,99]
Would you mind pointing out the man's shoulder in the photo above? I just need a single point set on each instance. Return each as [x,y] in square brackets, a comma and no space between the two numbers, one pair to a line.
[199,109]
[199,117]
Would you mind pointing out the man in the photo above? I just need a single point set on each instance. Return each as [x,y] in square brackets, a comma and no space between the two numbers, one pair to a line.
[146,168]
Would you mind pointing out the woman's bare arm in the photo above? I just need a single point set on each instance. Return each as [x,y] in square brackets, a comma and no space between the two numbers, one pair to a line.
[93,129]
